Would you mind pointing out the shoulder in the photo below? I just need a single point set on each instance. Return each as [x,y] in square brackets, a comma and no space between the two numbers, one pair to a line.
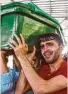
[64,65]
[63,68]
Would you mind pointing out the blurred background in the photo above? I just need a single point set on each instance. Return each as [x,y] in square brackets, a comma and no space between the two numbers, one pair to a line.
[56,8]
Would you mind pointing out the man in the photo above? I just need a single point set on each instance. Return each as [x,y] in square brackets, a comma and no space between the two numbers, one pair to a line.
[51,78]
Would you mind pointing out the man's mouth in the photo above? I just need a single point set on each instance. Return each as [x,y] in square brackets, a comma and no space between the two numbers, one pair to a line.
[48,54]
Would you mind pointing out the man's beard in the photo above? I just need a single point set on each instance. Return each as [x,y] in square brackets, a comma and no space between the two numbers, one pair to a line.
[52,58]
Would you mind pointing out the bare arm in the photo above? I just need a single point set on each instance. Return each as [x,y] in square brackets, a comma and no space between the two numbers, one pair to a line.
[21,85]
[3,62]
[55,84]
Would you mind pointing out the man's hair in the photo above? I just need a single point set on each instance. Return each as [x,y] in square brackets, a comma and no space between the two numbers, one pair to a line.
[51,36]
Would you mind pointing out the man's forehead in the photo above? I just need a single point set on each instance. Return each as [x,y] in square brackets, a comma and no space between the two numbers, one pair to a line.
[47,38]
[49,41]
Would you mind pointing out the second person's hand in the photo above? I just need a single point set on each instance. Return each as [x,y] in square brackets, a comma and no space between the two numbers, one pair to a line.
[20,47]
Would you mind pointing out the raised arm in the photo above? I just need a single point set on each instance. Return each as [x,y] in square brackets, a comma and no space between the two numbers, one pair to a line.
[3,62]
[22,84]
[6,75]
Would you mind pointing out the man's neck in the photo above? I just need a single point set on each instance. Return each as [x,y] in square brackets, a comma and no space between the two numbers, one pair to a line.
[55,66]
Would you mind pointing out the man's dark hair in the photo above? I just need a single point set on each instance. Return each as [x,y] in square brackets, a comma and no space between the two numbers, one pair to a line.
[50,36]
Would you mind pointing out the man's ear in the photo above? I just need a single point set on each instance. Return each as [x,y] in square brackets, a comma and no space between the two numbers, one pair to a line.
[61,46]
[61,49]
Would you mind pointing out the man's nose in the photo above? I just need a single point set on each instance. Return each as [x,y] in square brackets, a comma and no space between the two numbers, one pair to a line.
[45,47]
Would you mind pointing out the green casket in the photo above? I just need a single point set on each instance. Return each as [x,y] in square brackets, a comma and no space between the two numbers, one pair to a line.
[27,19]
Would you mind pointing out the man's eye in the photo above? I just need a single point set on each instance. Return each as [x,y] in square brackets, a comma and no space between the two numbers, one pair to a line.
[50,44]
[41,46]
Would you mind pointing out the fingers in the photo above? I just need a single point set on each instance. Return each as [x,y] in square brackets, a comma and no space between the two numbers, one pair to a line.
[22,38]
[3,52]
[12,46]
[18,39]
[34,64]
[33,53]
[13,42]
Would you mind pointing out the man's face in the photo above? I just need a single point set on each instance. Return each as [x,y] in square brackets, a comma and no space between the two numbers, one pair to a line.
[50,51]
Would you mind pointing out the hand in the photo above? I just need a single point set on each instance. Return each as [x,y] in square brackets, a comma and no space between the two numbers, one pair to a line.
[3,53]
[20,47]
[3,58]
[31,57]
